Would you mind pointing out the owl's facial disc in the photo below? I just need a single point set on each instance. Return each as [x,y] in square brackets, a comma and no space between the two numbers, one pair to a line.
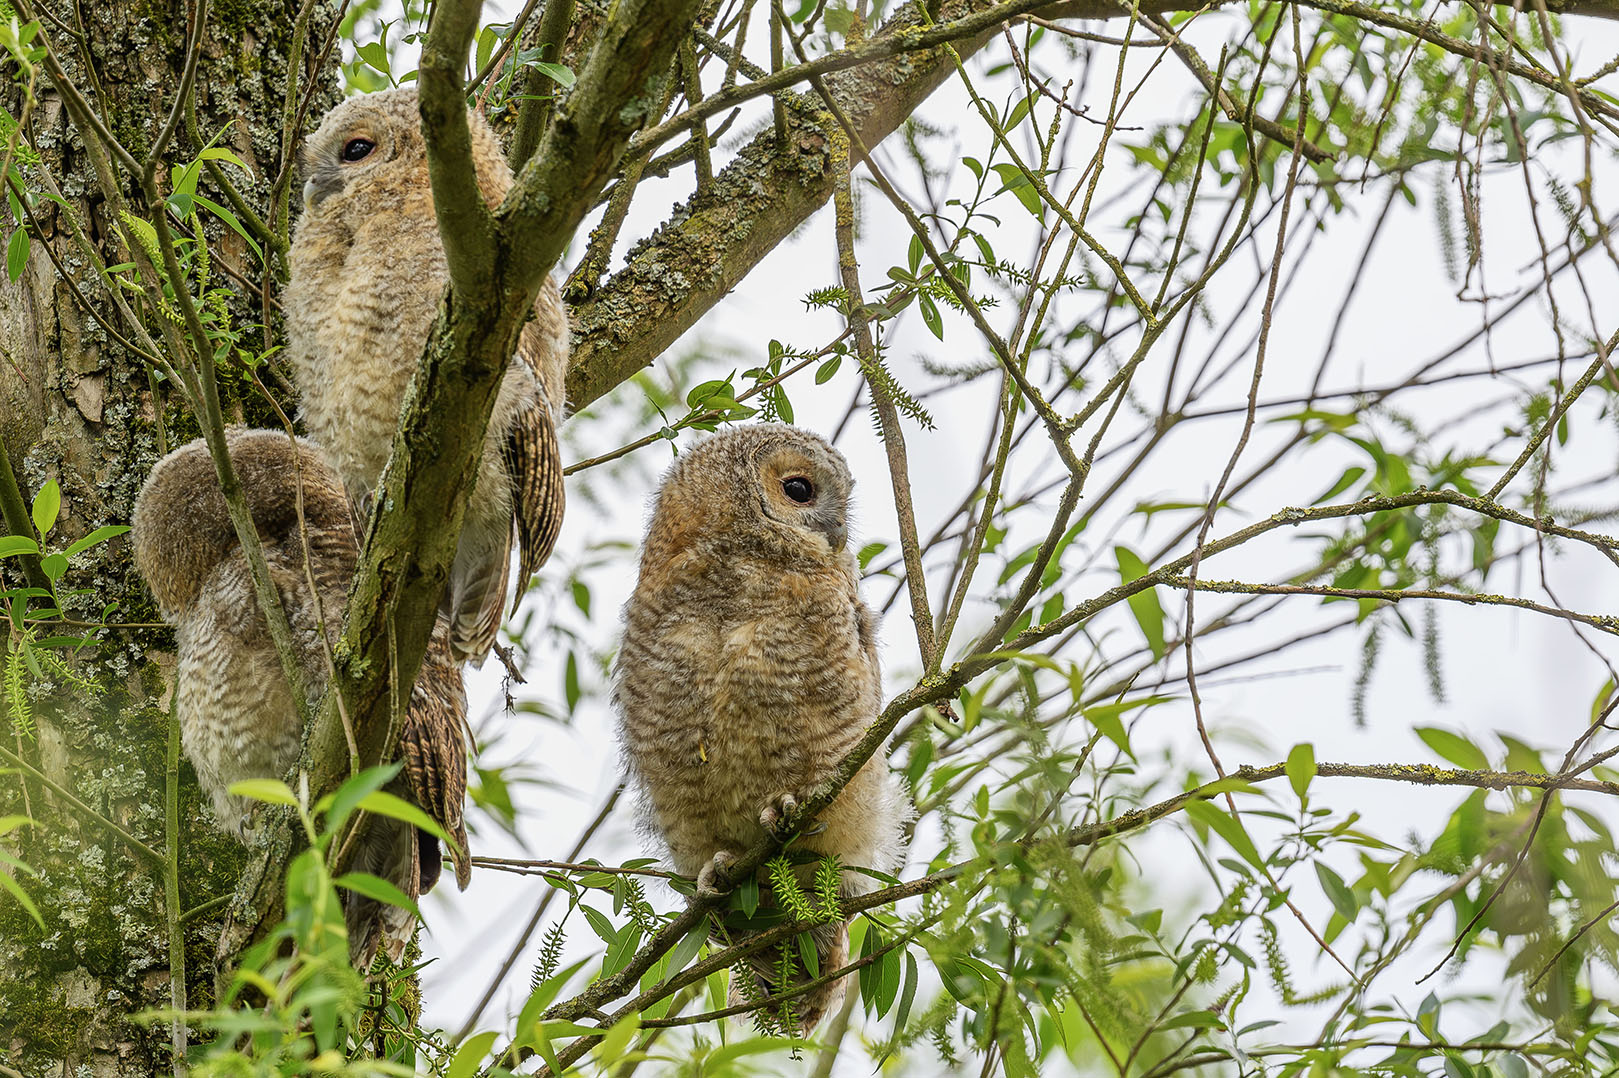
[804,494]
[335,158]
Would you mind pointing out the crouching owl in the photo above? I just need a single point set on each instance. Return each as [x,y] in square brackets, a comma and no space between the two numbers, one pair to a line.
[237,716]
[368,269]
[748,670]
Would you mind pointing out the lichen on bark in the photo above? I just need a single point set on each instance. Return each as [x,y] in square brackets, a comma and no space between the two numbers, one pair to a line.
[76,407]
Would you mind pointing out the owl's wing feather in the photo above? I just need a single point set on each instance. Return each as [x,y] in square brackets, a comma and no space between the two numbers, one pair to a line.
[534,467]
[433,746]
[476,599]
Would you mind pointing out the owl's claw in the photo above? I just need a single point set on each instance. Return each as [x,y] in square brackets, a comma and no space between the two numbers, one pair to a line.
[715,877]
[777,814]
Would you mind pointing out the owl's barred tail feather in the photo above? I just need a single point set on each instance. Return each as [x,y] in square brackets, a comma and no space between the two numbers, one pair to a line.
[406,857]
[434,778]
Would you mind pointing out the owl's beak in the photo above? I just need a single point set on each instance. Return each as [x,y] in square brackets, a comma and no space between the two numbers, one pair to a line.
[837,536]
[322,184]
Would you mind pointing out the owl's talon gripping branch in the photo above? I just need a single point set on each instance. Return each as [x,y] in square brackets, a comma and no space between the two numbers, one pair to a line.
[715,877]
[778,817]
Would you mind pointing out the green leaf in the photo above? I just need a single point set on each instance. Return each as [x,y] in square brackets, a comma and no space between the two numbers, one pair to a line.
[1110,725]
[16,254]
[686,950]
[220,153]
[363,883]
[386,804]
[541,998]
[742,1049]
[230,219]
[1455,1067]
[1512,1066]
[471,1054]
[374,54]
[570,682]
[46,505]
[1226,827]
[541,1040]
[746,896]
[869,976]
[1453,747]
[1014,179]
[907,996]
[53,566]
[486,47]
[888,985]
[1344,482]
[1338,893]
[1193,1020]
[1019,111]
[611,1048]
[22,897]
[622,949]
[1301,767]
[11,823]
[100,535]
[11,545]
[1143,604]
[600,923]
[270,791]
[338,804]
[557,73]
[930,314]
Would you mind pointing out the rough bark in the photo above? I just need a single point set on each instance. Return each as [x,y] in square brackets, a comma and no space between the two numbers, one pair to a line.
[78,407]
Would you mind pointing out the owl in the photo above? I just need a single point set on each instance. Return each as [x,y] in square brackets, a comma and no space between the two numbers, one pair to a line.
[368,270]
[237,716]
[748,669]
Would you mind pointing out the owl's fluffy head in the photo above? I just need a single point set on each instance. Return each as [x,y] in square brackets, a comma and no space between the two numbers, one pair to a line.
[182,529]
[770,489]
[372,143]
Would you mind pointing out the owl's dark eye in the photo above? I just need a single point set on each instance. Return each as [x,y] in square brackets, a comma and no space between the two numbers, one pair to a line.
[798,489]
[356,148]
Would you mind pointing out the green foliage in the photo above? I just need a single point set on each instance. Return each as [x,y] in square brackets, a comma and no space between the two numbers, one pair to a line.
[1034,933]
[40,648]
[294,1005]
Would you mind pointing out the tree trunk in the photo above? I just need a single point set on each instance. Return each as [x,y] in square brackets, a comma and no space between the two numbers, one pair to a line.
[78,407]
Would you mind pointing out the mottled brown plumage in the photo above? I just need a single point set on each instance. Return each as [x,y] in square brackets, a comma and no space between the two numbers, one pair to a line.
[748,670]
[368,270]
[237,717]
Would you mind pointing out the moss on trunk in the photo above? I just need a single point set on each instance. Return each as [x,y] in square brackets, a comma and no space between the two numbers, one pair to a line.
[77,407]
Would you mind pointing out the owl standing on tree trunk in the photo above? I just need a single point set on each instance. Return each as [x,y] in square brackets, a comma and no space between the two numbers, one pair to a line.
[368,270]
[748,670]
[236,712]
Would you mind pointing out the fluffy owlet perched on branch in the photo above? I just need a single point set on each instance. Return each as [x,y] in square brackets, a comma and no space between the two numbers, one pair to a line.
[748,670]
[368,270]
[236,713]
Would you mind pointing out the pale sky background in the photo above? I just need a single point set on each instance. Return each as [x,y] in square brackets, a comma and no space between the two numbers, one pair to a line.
[1503,670]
